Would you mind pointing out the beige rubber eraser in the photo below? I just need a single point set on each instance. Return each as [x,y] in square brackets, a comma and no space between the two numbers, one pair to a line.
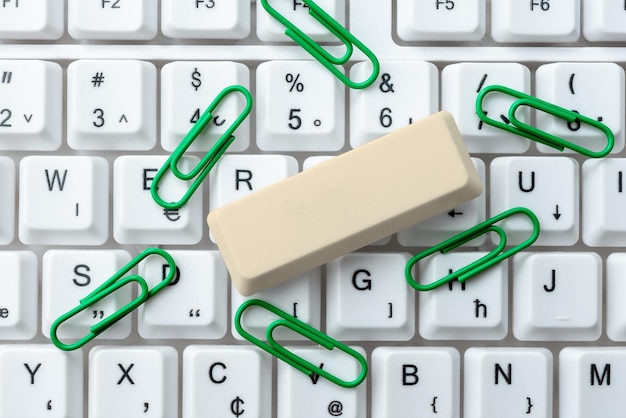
[344,203]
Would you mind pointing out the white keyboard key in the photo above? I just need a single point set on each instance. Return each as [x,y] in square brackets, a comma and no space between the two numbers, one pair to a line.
[549,186]
[31,97]
[299,297]
[64,200]
[604,21]
[535,20]
[270,30]
[7,191]
[557,296]
[205,19]
[39,380]
[35,19]
[615,286]
[460,84]
[447,224]
[18,295]
[508,382]
[111,104]
[313,396]
[367,298]
[590,382]
[133,381]
[300,107]
[70,275]
[426,378]
[593,90]
[405,91]
[194,305]
[227,381]
[474,310]
[441,20]
[112,19]
[137,219]
[187,88]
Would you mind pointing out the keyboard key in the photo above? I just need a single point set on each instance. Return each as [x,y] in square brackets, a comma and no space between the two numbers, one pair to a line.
[187,88]
[508,382]
[35,19]
[227,381]
[441,20]
[615,286]
[604,21]
[133,381]
[557,296]
[112,19]
[18,296]
[549,186]
[137,219]
[406,91]
[474,310]
[205,19]
[63,200]
[7,191]
[111,104]
[460,84]
[426,378]
[300,107]
[39,380]
[194,306]
[31,94]
[535,20]
[367,298]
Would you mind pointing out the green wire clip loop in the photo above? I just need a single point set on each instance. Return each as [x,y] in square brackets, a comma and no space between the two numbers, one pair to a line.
[111,285]
[277,350]
[493,257]
[320,54]
[207,162]
[531,132]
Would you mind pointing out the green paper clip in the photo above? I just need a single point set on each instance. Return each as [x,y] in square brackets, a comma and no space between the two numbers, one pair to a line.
[320,54]
[493,257]
[531,132]
[111,285]
[207,162]
[305,330]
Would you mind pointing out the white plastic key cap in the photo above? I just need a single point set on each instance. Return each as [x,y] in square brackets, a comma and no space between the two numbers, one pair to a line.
[405,91]
[549,186]
[194,305]
[35,19]
[604,21]
[137,219]
[460,84]
[299,107]
[591,89]
[112,19]
[111,104]
[227,381]
[368,299]
[18,295]
[426,378]
[31,97]
[133,381]
[7,190]
[187,88]
[70,275]
[615,287]
[205,19]
[557,296]
[39,380]
[535,20]
[441,20]
[508,382]
[64,200]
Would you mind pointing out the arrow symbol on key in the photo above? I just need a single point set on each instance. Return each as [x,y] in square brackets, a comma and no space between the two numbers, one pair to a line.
[28,117]
[556,214]
[453,213]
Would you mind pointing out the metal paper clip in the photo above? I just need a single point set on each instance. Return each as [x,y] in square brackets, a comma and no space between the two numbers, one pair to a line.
[111,285]
[493,257]
[200,171]
[280,352]
[531,132]
[320,54]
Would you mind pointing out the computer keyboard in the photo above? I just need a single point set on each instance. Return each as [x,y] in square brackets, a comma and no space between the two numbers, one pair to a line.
[96,94]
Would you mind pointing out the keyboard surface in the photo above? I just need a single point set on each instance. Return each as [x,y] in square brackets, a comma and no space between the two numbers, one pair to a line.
[95,95]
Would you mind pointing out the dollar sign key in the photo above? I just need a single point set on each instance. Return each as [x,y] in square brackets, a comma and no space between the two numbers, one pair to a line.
[195,79]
